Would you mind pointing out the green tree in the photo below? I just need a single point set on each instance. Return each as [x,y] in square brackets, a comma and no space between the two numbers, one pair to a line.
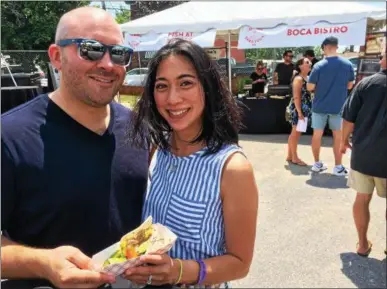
[276,53]
[143,8]
[123,15]
[30,25]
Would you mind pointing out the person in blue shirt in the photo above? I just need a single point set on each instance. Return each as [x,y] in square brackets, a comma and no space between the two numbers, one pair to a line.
[71,185]
[330,80]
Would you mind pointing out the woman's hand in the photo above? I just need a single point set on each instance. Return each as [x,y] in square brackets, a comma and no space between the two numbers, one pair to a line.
[301,116]
[161,267]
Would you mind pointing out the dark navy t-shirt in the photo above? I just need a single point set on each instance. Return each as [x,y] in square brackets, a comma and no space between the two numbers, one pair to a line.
[62,184]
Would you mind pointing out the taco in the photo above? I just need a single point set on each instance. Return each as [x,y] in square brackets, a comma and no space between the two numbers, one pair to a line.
[133,244]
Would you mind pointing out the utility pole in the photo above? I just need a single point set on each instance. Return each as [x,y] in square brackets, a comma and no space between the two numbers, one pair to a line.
[103,5]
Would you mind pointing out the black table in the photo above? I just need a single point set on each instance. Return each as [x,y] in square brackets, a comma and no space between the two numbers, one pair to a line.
[13,96]
[266,116]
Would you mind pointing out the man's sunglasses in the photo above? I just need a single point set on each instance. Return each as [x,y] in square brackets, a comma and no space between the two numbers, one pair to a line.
[290,56]
[93,50]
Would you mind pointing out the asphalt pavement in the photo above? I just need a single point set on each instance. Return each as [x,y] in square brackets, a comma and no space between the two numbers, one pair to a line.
[306,236]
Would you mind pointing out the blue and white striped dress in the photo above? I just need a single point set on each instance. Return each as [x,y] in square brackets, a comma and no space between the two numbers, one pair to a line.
[184,194]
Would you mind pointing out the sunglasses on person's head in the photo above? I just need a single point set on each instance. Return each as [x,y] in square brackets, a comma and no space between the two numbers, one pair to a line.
[93,50]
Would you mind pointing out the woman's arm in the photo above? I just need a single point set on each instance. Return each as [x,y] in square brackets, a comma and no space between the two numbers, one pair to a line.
[240,206]
[297,86]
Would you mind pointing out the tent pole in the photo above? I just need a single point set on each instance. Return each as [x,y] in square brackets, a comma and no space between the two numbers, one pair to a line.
[138,57]
[229,60]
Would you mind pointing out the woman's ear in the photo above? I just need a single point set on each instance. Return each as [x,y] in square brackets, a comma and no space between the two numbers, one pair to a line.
[54,53]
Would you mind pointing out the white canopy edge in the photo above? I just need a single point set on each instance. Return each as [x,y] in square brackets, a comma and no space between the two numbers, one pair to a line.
[231,16]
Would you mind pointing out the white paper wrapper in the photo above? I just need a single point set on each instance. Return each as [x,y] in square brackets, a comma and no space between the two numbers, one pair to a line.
[162,240]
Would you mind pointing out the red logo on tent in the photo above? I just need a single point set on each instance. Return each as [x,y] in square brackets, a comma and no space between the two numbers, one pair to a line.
[134,40]
[254,36]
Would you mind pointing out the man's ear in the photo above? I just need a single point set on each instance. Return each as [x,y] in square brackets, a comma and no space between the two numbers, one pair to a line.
[55,55]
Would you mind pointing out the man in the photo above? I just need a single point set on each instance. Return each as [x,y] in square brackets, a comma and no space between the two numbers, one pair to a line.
[330,80]
[284,71]
[365,115]
[310,55]
[71,185]
[259,79]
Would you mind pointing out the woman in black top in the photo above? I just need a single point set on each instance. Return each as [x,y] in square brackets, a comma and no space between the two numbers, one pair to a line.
[300,107]
[259,79]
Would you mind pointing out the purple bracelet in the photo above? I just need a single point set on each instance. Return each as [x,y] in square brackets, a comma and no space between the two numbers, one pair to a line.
[202,271]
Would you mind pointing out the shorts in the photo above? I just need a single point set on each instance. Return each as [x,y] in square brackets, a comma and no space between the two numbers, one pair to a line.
[365,184]
[319,121]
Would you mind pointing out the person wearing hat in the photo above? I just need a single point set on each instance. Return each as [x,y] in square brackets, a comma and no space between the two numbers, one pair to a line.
[330,80]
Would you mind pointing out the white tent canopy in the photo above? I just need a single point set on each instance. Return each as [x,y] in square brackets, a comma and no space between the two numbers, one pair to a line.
[232,15]
[228,17]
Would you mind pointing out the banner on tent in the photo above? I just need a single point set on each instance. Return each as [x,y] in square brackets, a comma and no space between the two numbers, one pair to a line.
[154,41]
[308,35]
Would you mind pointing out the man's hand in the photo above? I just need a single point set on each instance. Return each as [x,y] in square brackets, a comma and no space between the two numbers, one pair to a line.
[161,267]
[344,145]
[68,267]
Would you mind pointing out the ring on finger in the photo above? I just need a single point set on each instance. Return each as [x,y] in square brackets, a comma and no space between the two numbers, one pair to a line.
[149,282]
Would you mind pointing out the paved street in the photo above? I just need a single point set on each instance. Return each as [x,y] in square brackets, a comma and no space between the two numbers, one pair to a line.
[306,236]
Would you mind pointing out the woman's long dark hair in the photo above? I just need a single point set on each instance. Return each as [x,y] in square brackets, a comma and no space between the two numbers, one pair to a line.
[221,118]
[298,64]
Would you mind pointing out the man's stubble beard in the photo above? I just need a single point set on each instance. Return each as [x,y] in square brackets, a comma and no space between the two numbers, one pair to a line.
[78,88]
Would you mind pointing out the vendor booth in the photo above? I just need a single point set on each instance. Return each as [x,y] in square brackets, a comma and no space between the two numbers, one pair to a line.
[18,88]
[256,25]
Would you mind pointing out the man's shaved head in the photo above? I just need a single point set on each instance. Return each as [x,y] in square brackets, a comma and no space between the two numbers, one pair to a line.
[94,82]
[79,21]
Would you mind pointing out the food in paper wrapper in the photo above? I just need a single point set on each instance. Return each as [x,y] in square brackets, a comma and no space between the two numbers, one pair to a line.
[147,238]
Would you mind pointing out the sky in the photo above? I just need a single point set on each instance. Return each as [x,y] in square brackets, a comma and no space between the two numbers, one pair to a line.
[111,6]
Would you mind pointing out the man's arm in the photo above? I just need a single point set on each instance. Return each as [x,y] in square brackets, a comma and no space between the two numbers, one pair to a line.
[18,261]
[346,131]
[350,111]
[275,75]
[310,86]
[275,78]
[351,77]
[313,79]
[63,266]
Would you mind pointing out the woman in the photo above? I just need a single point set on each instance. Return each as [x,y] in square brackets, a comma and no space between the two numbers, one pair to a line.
[300,107]
[259,79]
[200,184]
